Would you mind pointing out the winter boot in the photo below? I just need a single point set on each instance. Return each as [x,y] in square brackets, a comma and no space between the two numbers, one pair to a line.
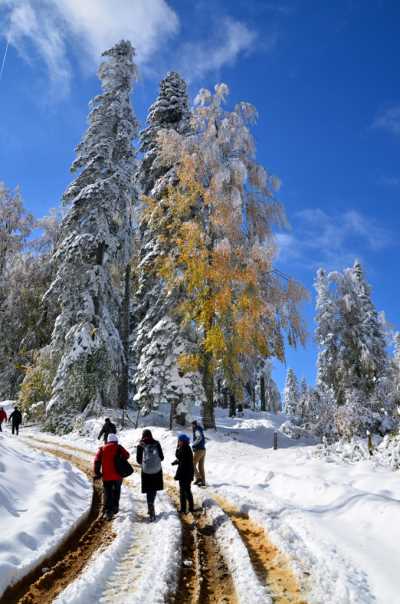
[152,514]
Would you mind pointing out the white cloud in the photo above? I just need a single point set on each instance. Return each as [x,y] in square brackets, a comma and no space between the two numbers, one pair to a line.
[55,28]
[332,241]
[230,38]
[389,120]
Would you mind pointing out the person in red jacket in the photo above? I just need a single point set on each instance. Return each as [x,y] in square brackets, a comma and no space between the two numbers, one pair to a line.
[104,467]
[3,417]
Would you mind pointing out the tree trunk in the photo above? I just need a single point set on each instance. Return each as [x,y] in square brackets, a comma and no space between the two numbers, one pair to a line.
[124,331]
[262,393]
[208,417]
[172,414]
[232,405]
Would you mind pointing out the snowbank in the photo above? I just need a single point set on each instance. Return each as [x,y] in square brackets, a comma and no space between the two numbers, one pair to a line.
[42,499]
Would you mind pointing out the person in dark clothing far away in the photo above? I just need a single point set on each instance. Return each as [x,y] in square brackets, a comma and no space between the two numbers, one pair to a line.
[16,420]
[108,428]
[184,473]
[104,467]
[3,417]
[149,456]
[199,450]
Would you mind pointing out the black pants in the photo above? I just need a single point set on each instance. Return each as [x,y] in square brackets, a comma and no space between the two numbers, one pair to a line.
[185,495]
[14,428]
[151,496]
[112,492]
[1,430]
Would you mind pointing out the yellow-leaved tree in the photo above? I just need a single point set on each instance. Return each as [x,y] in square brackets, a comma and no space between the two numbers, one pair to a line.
[215,227]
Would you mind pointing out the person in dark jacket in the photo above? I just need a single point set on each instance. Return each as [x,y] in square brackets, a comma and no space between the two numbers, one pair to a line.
[16,420]
[104,467]
[108,428]
[184,473]
[3,417]
[199,450]
[149,456]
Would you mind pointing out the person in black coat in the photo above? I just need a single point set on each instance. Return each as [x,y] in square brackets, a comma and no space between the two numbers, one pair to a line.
[108,428]
[149,456]
[185,472]
[16,420]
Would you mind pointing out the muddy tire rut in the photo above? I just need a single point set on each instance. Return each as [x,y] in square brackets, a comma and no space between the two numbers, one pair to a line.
[271,566]
[94,533]
[204,577]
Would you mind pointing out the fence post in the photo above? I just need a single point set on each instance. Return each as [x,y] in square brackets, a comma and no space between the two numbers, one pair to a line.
[370,445]
[275,440]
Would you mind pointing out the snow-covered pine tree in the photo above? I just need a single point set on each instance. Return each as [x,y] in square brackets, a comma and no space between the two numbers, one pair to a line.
[291,393]
[267,393]
[362,358]
[158,340]
[303,399]
[385,399]
[94,250]
[311,407]
[326,334]
[395,373]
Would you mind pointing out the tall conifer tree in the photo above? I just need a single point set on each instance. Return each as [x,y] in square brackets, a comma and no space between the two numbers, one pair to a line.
[158,339]
[94,250]
[291,393]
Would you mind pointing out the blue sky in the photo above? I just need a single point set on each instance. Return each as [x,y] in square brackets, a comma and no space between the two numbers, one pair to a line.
[324,76]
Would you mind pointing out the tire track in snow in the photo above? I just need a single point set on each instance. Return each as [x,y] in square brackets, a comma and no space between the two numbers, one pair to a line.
[61,445]
[141,563]
[270,565]
[200,570]
[329,575]
[204,576]
[52,575]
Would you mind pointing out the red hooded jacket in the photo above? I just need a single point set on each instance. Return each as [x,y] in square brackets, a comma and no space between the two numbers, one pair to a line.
[3,416]
[105,457]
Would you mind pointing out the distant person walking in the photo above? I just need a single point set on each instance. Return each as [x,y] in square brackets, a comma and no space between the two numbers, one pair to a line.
[199,450]
[184,473]
[3,417]
[108,428]
[16,420]
[149,456]
[105,468]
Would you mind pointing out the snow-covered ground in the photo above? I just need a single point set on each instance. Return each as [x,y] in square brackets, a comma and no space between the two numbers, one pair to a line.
[339,522]
[42,498]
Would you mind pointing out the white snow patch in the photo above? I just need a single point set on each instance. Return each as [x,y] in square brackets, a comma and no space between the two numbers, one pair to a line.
[42,500]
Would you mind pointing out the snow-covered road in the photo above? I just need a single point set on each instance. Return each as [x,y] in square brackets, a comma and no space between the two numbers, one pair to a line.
[338,523]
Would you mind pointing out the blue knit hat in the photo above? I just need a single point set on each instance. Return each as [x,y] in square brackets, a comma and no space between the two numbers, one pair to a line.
[184,438]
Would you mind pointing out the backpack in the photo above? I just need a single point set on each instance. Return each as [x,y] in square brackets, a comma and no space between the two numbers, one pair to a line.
[122,465]
[151,461]
[202,443]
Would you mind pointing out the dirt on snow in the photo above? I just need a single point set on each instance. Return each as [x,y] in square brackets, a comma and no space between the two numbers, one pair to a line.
[271,566]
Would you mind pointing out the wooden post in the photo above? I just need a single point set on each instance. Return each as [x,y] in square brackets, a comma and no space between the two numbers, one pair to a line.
[370,445]
[275,440]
